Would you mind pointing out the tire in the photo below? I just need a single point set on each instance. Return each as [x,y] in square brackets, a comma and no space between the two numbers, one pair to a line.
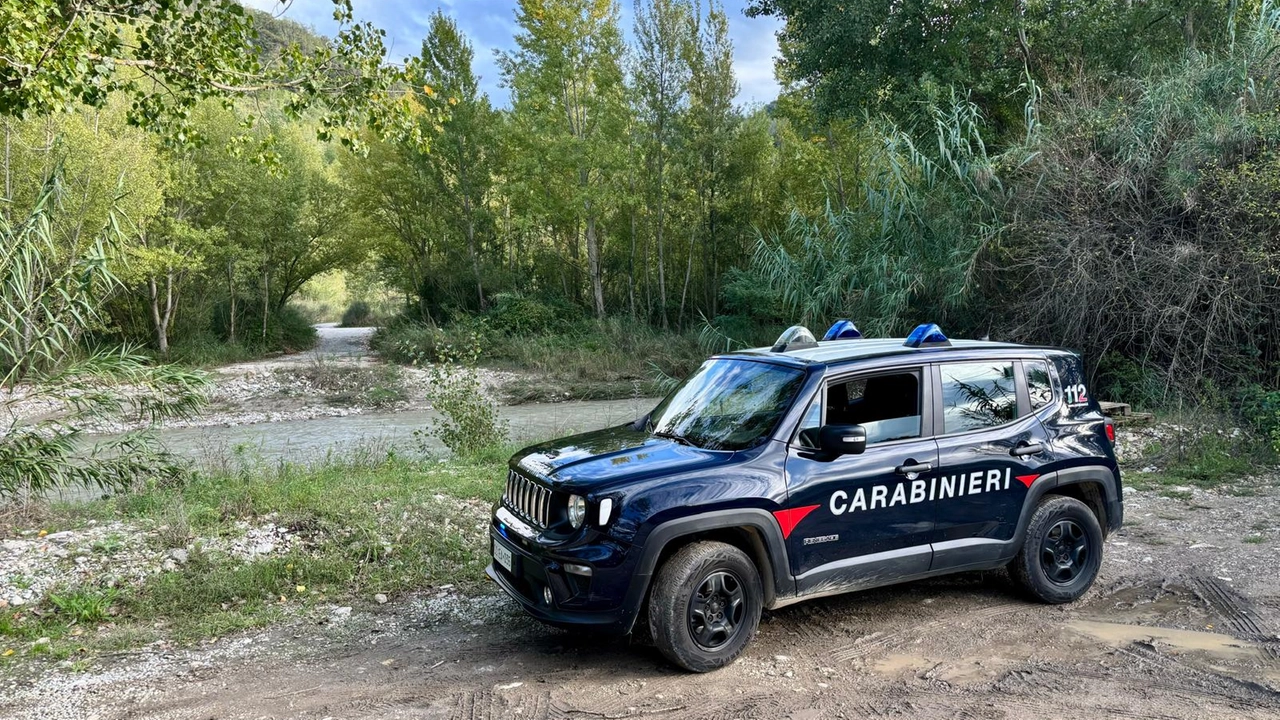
[1061,553]
[701,579]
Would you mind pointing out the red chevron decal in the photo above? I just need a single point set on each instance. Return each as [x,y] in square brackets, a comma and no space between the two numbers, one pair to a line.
[1026,479]
[789,519]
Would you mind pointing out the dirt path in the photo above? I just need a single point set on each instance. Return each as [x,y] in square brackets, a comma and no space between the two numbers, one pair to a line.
[1183,623]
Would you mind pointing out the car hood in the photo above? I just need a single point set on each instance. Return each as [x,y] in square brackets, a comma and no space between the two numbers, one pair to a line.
[594,460]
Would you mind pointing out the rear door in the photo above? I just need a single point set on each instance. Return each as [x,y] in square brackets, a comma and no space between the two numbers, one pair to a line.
[856,520]
[991,445]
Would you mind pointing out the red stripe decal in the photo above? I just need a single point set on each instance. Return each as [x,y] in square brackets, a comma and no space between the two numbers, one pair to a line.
[1026,479]
[789,519]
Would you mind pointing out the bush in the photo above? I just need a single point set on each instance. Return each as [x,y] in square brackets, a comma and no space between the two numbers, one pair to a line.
[288,329]
[517,314]
[468,424]
[1260,409]
[358,314]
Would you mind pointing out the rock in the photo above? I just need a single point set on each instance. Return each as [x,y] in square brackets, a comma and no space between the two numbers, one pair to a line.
[169,565]
[342,612]
[380,599]
[179,555]
[1203,546]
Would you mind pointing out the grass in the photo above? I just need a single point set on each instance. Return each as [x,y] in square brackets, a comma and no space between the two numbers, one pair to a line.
[392,526]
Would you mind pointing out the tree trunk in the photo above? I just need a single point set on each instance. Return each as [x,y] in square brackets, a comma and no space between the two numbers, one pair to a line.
[266,302]
[160,322]
[593,264]
[231,287]
[631,267]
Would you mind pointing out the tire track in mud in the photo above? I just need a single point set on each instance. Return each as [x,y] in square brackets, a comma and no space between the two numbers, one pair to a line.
[1241,616]
[879,641]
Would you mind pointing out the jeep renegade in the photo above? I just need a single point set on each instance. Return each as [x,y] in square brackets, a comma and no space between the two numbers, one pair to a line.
[781,474]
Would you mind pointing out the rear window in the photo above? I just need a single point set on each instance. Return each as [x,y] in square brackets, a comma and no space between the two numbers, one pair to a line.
[978,395]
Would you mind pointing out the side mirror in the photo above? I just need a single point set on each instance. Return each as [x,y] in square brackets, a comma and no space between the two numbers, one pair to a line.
[843,439]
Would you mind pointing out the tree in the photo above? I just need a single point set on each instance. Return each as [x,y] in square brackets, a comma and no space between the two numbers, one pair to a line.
[165,56]
[893,55]
[664,36]
[710,120]
[464,145]
[568,103]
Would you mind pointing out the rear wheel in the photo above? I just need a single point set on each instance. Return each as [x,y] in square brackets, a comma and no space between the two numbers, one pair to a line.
[1061,553]
[705,606]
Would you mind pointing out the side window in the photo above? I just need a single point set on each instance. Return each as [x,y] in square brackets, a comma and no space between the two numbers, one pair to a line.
[1039,385]
[887,406]
[977,395]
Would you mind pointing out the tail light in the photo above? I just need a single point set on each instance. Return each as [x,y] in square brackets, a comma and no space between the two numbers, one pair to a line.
[1111,432]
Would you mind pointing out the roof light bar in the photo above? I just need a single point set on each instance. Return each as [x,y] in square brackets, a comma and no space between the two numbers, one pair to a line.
[796,337]
[842,330]
[927,335]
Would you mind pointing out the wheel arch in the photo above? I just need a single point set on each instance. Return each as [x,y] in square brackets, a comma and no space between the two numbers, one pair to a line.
[754,531]
[1094,485]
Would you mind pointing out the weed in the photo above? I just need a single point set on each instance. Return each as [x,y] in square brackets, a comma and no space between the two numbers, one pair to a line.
[85,605]
[1255,539]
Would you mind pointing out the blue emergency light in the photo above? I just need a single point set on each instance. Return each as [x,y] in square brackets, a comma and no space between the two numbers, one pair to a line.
[842,330]
[927,335]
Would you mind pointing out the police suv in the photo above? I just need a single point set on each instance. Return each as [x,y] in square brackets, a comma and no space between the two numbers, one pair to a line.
[781,474]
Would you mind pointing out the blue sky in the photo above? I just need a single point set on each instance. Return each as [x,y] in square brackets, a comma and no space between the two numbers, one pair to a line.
[490,25]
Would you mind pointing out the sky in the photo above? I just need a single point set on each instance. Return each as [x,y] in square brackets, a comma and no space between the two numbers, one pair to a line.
[490,25]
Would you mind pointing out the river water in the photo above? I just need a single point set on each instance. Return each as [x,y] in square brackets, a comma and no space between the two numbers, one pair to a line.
[303,440]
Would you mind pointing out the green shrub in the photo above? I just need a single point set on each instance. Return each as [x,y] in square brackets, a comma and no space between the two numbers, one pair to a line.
[517,314]
[83,605]
[358,314]
[468,424]
[1260,409]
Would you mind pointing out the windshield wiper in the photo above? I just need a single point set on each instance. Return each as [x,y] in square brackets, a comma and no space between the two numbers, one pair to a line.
[673,436]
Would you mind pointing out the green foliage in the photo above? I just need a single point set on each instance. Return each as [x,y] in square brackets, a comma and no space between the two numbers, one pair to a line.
[1260,409]
[85,605]
[906,252]
[517,314]
[894,56]
[168,58]
[49,300]
[358,314]
[468,423]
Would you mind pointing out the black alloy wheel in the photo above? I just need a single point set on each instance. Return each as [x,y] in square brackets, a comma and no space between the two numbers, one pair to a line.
[1061,552]
[716,609]
[1064,552]
[705,605]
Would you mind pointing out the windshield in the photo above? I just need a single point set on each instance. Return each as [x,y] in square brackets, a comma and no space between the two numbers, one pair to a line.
[727,404]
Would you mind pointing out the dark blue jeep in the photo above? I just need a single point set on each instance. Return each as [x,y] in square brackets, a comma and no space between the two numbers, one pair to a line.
[780,474]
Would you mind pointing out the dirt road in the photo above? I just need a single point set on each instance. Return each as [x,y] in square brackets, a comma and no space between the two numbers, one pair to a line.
[1183,623]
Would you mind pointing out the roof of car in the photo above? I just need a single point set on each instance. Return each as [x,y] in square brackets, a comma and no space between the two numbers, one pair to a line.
[838,351]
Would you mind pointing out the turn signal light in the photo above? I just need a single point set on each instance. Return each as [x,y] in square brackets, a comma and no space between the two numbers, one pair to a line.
[1111,432]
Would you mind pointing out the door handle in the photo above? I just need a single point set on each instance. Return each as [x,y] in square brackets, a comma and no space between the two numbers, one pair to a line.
[1024,449]
[913,469]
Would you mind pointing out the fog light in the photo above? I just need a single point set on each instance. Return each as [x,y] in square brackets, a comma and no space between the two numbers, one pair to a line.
[546,595]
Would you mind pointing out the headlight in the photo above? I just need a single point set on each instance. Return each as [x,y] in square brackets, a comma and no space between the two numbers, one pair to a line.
[577,510]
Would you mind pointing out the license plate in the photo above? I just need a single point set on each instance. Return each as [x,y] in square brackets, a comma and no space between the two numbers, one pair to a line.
[503,556]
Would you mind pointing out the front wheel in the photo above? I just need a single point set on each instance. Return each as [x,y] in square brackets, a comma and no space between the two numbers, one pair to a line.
[1062,551]
[705,606]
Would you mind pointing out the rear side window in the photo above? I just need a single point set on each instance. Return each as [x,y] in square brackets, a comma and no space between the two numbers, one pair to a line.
[978,395]
[1039,386]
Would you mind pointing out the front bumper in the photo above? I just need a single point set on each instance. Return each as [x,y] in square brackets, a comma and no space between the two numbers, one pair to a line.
[600,602]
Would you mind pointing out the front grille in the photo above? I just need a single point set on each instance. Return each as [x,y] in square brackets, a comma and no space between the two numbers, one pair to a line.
[528,499]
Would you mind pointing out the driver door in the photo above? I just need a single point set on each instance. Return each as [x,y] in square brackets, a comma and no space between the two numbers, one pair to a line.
[860,518]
